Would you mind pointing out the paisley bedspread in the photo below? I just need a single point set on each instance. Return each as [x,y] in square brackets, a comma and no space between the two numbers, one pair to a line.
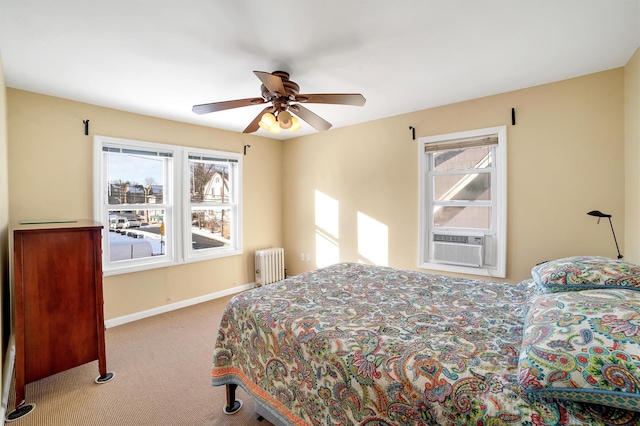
[355,344]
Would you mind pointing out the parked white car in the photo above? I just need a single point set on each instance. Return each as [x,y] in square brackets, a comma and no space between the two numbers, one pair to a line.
[118,223]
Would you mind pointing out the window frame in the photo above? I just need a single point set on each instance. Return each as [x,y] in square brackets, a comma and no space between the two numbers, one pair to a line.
[176,202]
[235,188]
[497,235]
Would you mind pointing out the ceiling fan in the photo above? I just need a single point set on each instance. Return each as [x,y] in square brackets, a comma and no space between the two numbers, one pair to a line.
[284,98]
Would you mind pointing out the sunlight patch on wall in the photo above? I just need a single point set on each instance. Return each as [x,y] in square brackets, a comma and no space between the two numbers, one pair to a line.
[327,219]
[373,240]
[327,250]
[327,214]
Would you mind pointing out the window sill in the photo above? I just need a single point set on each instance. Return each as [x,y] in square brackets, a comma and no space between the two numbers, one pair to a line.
[483,271]
[137,268]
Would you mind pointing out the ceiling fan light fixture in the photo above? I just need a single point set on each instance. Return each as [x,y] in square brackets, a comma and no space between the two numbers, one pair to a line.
[284,119]
[268,121]
[295,124]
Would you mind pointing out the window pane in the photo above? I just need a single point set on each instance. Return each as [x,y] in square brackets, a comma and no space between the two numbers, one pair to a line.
[463,159]
[209,182]
[466,187]
[475,217]
[134,179]
[210,228]
[135,234]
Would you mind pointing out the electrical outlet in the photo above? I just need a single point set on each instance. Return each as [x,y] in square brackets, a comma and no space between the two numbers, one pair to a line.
[308,257]
[302,256]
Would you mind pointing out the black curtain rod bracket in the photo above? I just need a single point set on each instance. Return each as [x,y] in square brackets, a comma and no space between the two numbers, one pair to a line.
[413,132]
[513,116]
[86,126]
[245,149]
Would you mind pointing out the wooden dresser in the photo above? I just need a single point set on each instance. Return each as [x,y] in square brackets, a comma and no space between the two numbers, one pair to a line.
[59,319]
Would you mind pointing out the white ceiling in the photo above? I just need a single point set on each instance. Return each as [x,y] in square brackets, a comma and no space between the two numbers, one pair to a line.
[160,57]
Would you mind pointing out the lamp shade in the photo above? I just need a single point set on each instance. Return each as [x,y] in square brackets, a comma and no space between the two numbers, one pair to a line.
[295,124]
[267,121]
[598,213]
[284,119]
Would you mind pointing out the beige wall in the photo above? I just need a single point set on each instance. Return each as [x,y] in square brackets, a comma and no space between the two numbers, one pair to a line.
[632,158]
[4,227]
[50,177]
[565,158]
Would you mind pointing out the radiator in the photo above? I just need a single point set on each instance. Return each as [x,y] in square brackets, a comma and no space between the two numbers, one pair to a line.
[269,266]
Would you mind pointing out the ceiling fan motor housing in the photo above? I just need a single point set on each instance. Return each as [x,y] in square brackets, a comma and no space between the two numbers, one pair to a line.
[290,89]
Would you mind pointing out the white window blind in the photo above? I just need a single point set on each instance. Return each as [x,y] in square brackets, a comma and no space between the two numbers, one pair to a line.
[463,143]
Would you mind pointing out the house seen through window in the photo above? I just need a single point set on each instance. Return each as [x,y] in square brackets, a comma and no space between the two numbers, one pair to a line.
[210,207]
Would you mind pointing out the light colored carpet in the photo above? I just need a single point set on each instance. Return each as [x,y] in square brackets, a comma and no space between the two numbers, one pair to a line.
[162,370]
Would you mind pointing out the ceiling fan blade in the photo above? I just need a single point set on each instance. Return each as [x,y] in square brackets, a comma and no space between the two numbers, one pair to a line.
[312,118]
[221,106]
[272,82]
[355,99]
[254,126]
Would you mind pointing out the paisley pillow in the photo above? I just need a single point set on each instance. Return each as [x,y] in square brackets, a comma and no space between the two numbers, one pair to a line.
[584,272]
[583,346]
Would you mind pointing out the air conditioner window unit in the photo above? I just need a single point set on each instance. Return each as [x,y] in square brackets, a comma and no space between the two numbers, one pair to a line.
[459,249]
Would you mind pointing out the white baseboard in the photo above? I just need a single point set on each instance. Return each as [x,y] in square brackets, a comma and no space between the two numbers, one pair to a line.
[173,306]
[7,375]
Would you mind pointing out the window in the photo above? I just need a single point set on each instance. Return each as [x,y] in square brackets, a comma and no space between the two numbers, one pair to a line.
[463,202]
[212,203]
[165,204]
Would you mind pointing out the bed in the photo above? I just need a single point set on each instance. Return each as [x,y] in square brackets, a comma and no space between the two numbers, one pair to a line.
[355,344]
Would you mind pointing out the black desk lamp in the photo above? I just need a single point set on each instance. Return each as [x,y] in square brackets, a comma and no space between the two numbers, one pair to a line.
[600,215]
